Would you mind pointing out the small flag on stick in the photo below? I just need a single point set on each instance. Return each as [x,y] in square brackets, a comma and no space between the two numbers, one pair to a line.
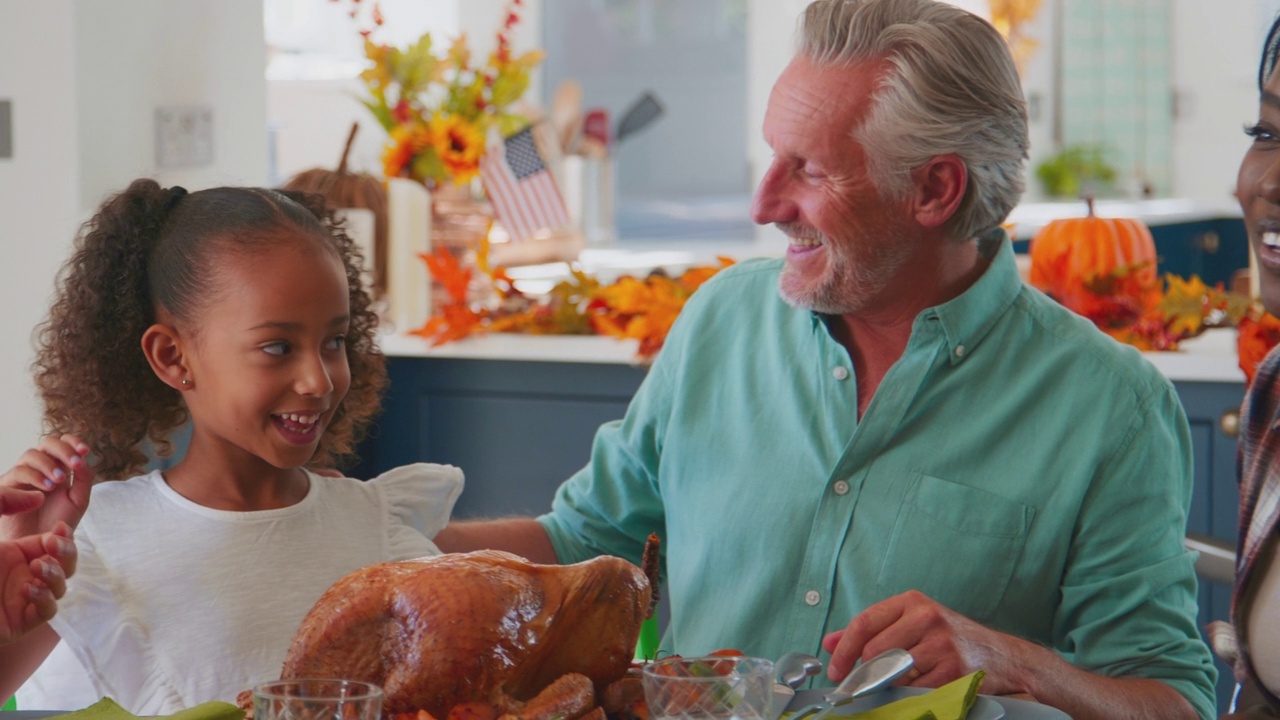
[521,188]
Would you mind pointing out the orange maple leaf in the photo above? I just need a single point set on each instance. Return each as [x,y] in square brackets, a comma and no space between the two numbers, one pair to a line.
[631,308]
[447,271]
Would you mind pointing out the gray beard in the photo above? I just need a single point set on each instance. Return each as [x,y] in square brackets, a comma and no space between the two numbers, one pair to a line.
[849,287]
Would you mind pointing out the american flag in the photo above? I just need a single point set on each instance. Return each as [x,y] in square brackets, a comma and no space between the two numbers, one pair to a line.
[522,189]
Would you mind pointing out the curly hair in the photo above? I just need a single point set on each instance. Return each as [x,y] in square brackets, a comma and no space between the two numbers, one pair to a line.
[149,248]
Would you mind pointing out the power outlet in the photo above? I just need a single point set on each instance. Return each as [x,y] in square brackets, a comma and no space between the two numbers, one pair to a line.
[6,129]
[184,136]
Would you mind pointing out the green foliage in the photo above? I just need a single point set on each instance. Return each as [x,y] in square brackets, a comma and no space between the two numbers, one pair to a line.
[1075,171]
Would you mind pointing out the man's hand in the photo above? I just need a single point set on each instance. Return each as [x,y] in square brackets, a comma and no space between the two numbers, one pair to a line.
[33,575]
[945,644]
[49,484]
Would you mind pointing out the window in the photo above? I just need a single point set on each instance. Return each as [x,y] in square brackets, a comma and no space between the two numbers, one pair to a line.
[1116,90]
[686,174]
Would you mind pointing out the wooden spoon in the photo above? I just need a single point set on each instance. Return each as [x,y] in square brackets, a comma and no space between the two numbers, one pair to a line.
[566,112]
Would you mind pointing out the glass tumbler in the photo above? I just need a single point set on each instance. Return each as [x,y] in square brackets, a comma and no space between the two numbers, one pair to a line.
[709,688]
[317,699]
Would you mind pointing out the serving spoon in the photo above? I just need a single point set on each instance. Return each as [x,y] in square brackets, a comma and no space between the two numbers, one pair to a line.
[794,668]
[872,675]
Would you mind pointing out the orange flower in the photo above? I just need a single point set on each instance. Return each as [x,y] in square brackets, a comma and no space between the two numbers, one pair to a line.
[1255,337]
[459,144]
[407,142]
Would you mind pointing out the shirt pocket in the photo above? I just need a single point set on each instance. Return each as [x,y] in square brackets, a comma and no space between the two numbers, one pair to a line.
[957,544]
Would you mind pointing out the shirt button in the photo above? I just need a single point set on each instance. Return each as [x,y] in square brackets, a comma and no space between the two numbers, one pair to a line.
[839,372]
[812,597]
[959,351]
[841,487]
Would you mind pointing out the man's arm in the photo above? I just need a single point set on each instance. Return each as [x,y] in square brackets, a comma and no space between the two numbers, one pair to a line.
[947,645]
[523,536]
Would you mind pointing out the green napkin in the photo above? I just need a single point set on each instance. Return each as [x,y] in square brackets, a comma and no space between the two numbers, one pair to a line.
[949,702]
[107,709]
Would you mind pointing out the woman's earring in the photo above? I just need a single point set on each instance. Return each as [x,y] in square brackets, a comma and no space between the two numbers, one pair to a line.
[185,382]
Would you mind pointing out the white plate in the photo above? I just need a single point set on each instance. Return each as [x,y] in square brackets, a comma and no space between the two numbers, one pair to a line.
[984,708]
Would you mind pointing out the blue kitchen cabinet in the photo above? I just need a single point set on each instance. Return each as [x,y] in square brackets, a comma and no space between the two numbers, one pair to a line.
[516,428]
[1213,249]
[1213,411]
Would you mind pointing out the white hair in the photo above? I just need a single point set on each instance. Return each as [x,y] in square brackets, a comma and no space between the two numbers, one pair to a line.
[952,87]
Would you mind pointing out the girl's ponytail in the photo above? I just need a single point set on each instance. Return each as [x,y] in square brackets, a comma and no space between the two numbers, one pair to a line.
[90,370]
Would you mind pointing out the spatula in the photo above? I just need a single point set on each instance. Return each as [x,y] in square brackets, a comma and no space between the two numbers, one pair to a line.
[640,115]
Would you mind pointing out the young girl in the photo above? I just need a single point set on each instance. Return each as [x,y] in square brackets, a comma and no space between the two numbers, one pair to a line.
[242,310]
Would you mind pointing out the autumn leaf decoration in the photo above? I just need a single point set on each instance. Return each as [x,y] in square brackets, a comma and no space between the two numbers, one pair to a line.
[641,309]
[455,319]
[1164,316]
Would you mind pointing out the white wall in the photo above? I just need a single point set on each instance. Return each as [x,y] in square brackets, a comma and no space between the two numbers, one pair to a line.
[39,207]
[135,55]
[84,78]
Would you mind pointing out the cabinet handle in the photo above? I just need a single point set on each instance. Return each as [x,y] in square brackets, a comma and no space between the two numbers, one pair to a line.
[1229,423]
[1208,242]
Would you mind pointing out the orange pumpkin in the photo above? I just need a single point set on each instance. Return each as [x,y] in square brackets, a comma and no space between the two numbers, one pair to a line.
[1091,264]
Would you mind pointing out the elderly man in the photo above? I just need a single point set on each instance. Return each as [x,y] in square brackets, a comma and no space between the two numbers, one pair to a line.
[907,448]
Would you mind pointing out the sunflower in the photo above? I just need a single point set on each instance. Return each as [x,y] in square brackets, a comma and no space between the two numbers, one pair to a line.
[458,143]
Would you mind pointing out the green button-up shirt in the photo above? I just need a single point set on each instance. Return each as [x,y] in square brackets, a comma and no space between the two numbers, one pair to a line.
[1015,464]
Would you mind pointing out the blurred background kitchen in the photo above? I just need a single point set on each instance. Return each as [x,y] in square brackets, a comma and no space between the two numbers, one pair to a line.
[204,92]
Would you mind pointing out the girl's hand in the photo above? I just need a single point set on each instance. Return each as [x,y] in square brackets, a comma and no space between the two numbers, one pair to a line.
[49,484]
[33,575]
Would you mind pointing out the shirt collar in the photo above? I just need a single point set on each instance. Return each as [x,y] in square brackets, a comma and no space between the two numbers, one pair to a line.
[965,320]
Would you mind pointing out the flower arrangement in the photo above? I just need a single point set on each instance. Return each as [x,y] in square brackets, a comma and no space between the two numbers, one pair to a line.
[640,309]
[437,110]
[1159,316]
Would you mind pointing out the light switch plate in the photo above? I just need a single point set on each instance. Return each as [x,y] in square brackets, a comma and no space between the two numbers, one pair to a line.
[184,135]
[6,129]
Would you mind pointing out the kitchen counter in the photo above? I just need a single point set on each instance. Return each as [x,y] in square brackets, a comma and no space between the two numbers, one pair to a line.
[1208,358]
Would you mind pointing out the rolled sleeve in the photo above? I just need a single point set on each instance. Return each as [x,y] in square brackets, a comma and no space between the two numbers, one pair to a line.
[1129,595]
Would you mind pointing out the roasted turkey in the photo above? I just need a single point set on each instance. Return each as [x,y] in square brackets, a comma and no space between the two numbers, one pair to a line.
[484,628]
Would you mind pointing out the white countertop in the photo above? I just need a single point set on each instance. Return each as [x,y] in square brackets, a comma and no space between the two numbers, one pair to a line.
[513,346]
[1208,358]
